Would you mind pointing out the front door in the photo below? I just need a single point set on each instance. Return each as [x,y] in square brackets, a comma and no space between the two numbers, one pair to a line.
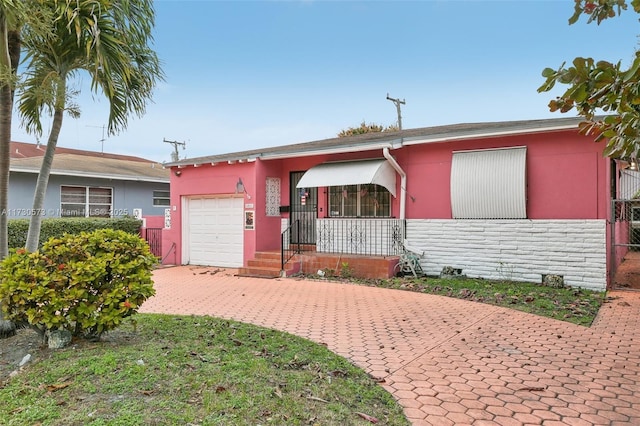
[304,207]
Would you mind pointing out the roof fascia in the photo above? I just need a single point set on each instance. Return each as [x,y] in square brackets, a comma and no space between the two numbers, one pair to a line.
[511,132]
[399,142]
[394,143]
[92,175]
[321,151]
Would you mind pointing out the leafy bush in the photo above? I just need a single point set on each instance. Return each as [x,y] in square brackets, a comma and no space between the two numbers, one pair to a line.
[57,227]
[86,283]
[367,128]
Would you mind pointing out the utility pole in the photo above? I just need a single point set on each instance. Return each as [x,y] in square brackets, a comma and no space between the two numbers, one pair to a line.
[174,154]
[397,102]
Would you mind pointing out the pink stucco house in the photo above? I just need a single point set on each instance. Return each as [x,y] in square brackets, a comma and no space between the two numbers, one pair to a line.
[509,200]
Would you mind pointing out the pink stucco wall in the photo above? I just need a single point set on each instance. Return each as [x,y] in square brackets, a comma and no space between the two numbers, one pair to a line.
[208,180]
[566,178]
[267,235]
[566,175]
[154,221]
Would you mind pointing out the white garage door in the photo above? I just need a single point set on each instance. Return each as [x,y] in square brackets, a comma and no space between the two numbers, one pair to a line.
[214,233]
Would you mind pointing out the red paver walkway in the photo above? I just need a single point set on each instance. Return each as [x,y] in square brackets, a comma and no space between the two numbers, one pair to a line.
[446,361]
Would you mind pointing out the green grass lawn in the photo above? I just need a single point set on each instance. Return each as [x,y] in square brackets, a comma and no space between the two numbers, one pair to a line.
[178,370]
[574,305]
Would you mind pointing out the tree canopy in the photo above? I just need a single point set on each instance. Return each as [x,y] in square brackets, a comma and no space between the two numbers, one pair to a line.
[607,95]
[366,128]
[107,40]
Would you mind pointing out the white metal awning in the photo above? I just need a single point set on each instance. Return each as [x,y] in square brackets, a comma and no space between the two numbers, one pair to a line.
[379,172]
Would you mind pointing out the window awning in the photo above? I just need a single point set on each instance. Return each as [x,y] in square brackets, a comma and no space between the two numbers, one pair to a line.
[379,172]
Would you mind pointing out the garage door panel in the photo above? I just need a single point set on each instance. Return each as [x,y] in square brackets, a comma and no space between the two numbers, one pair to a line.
[216,234]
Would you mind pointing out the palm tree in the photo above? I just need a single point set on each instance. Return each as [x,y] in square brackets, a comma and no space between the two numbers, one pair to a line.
[7,328]
[12,13]
[107,39]
[6,105]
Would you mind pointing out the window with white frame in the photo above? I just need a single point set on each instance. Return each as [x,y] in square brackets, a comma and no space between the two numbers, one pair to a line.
[489,184]
[161,198]
[368,200]
[85,201]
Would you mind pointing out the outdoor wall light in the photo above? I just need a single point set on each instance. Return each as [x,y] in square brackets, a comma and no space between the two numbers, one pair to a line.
[633,165]
[239,186]
[241,189]
[177,173]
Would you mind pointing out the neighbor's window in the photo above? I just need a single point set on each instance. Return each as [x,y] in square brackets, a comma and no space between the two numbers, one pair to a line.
[84,201]
[161,198]
[489,184]
[359,201]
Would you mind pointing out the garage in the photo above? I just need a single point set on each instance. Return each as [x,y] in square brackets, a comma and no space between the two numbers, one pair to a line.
[213,231]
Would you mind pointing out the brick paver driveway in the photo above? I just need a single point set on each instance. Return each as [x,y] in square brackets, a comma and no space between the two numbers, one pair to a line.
[447,361]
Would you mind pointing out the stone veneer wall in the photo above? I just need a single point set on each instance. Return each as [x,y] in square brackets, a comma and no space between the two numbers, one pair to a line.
[518,250]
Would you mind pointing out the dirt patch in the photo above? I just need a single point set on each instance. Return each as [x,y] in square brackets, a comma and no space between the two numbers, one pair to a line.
[628,280]
[628,272]
[14,349]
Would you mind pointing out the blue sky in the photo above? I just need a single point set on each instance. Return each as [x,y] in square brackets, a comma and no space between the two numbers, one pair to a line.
[251,74]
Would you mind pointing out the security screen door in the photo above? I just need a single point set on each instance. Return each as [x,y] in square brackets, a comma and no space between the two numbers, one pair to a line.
[304,207]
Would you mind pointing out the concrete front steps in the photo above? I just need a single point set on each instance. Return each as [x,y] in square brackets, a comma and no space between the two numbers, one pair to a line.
[266,264]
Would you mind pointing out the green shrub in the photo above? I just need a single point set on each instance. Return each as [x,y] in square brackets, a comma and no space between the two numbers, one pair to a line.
[57,227]
[17,232]
[86,284]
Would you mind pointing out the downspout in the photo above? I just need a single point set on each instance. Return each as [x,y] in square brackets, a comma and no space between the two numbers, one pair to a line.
[403,181]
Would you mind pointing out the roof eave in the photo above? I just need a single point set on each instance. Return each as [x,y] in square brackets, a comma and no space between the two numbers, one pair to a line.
[485,135]
[394,140]
[294,153]
[328,150]
[94,175]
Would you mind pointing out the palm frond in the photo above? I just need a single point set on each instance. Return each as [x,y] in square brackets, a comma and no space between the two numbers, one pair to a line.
[110,41]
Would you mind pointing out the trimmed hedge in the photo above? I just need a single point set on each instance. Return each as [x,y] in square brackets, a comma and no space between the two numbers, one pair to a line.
[57,227]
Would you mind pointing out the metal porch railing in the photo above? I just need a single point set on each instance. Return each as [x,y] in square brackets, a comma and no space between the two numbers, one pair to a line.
[289,248]
[371,237]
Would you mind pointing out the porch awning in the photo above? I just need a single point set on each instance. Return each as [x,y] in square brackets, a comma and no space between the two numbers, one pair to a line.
[379,172]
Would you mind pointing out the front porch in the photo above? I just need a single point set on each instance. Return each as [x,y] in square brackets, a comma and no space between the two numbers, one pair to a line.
[341,247]
[267,264]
